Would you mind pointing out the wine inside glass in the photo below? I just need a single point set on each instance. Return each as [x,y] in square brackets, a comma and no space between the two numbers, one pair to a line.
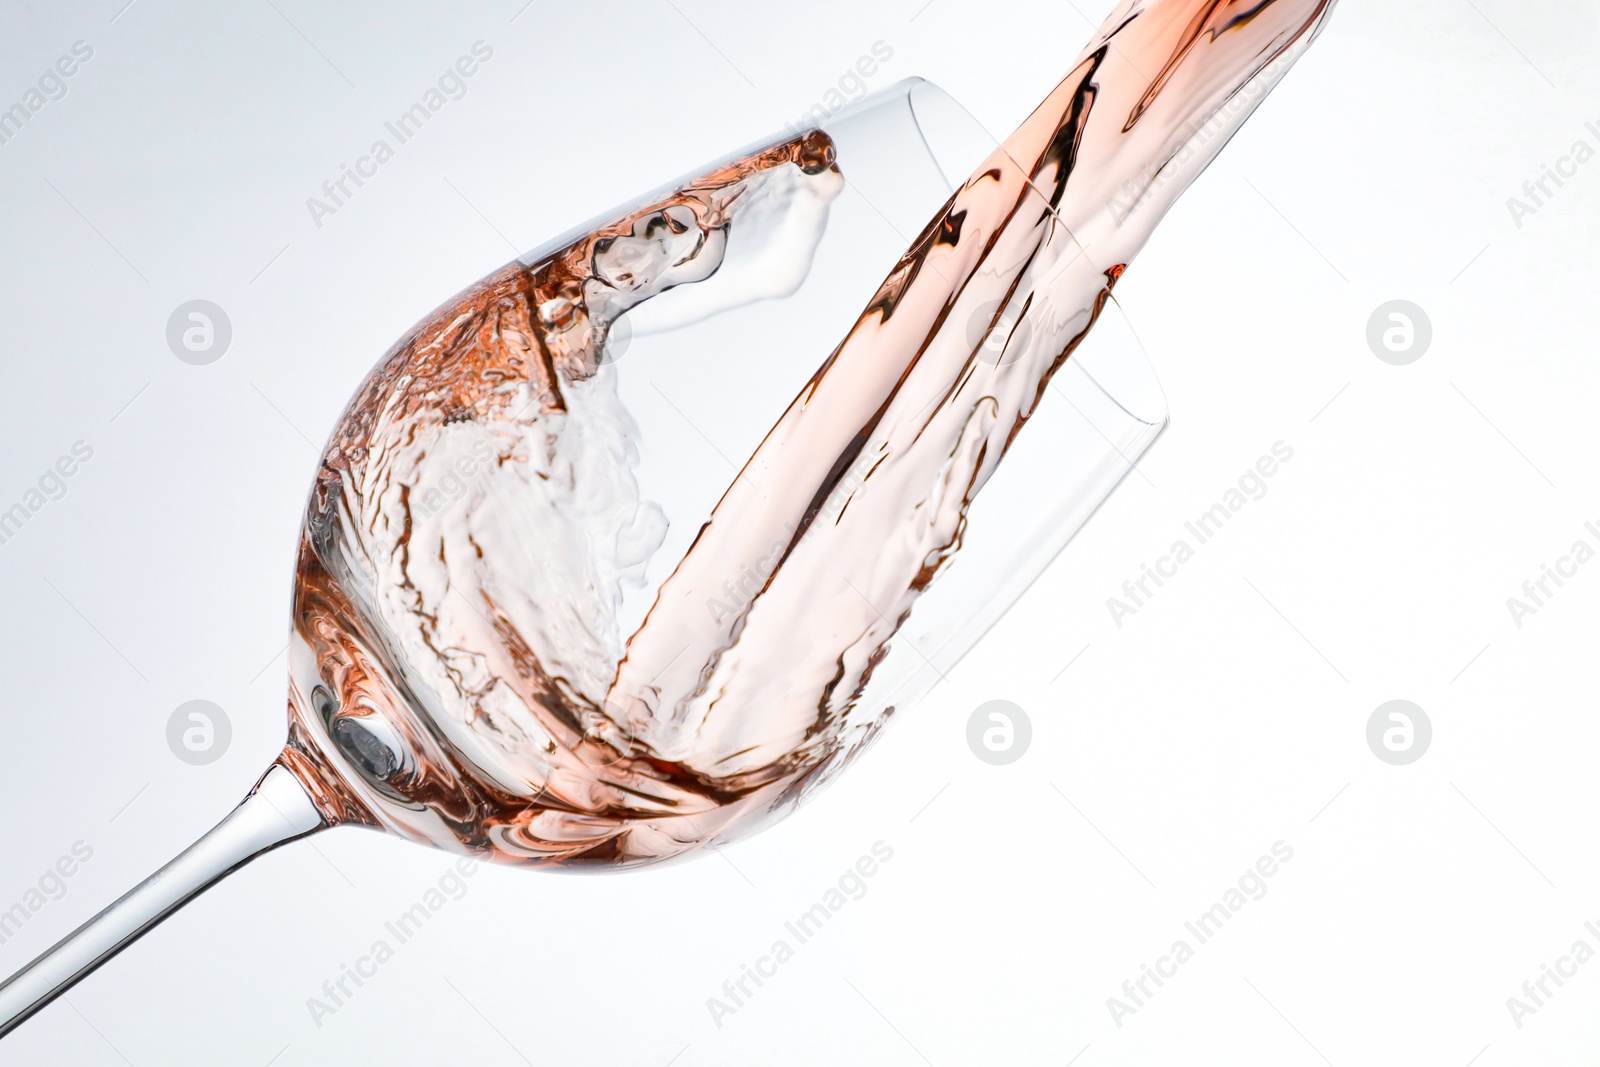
[610,560]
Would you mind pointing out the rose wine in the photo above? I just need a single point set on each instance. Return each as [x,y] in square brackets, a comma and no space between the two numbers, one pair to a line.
[460,672]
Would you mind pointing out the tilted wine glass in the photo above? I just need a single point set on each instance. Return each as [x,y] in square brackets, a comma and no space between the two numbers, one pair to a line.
[583,581]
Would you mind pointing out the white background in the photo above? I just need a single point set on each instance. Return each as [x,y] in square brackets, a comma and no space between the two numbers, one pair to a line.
[1168,757]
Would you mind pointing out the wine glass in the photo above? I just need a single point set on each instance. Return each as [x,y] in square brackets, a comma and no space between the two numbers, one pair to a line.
[602,568]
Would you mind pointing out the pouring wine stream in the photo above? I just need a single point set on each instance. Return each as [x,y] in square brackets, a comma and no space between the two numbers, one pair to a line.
[442,690]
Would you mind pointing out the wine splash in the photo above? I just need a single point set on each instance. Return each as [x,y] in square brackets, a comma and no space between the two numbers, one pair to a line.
[503,645]
[462,678]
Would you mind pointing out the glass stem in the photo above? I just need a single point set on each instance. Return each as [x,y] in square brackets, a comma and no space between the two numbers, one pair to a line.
[276,812]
